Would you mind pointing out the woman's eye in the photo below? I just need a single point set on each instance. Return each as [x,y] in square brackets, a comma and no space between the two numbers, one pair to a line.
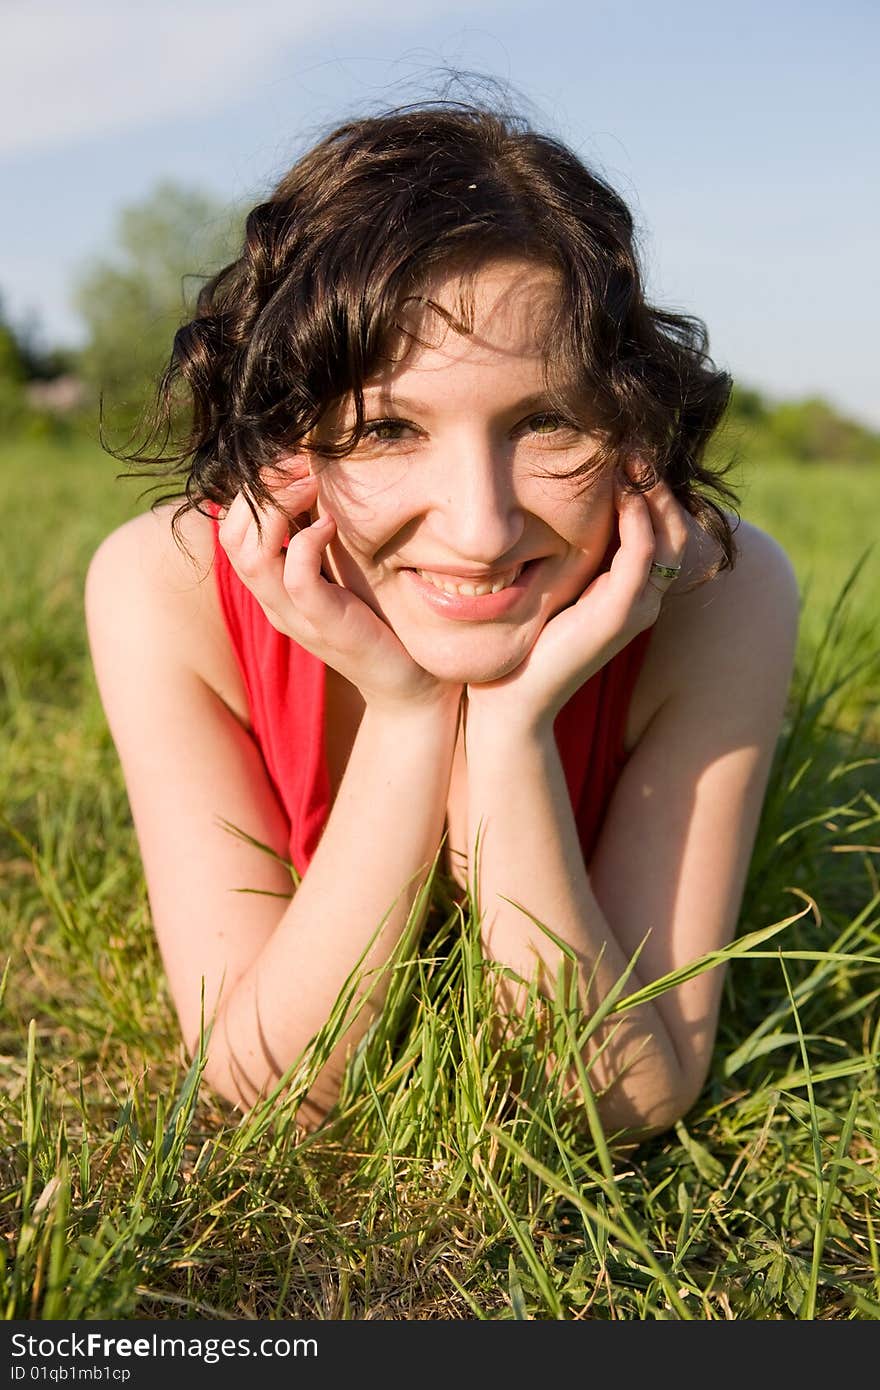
[375,430]
[390,431]
[540,423]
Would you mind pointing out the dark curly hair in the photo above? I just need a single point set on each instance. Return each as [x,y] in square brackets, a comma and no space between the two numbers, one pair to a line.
[308,312]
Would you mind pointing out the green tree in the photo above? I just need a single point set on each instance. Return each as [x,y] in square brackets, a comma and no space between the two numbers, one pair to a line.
[813,432]
[13,375]
[748,405]
[804,431]
[134,300]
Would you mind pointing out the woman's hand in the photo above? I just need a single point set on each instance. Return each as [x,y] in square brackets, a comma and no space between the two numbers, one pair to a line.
[325,618]
[618,604]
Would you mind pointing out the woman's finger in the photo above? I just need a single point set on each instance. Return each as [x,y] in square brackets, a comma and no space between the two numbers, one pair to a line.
[652,533]
[232,527]
[632,560]
[295,494]
[293,592]
[671,535]
[235,529]
[328,608]
[301,567]
[258,560]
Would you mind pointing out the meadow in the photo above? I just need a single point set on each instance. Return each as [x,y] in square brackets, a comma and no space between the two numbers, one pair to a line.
[445,1187]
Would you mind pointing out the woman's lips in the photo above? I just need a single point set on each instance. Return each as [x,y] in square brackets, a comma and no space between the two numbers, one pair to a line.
[473,607]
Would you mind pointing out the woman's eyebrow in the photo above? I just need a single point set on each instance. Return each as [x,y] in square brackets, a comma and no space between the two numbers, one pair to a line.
[375,395]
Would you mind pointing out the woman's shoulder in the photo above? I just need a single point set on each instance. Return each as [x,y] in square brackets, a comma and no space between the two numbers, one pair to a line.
[166,572]
[168,578]
[745,616]
[148,542]
[763,574]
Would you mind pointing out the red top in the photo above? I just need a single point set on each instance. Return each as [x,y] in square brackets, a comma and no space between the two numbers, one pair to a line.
[285,691]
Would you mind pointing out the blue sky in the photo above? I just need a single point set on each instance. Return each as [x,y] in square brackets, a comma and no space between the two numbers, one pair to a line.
[745,139]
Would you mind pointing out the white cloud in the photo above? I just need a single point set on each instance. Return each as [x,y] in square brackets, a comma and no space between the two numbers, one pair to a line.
[70,69]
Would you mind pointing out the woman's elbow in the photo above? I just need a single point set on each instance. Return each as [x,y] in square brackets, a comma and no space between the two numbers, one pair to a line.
[312,1111]
[663,1118]
[636,1117]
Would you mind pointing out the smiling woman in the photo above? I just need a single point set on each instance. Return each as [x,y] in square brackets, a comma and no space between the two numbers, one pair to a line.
[476,476]
[446,465]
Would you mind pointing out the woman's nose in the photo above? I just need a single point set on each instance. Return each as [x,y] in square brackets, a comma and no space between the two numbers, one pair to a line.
[476,502]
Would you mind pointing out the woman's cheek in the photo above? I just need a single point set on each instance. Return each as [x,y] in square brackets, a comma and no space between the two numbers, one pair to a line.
[350,555]
[585,518]
[347,568]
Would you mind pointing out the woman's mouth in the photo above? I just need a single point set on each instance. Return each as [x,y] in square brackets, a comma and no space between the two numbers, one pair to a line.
[471,588]
[456,597]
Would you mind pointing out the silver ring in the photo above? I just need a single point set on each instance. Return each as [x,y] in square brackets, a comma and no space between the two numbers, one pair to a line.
[665,571]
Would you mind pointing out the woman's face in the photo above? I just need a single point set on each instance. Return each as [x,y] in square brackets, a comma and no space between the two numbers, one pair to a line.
[443,501]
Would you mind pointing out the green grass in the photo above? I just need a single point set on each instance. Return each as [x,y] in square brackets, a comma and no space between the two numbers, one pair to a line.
[449,1186]
[825,518]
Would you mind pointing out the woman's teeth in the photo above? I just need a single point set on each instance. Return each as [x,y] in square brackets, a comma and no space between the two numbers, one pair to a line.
[469,589]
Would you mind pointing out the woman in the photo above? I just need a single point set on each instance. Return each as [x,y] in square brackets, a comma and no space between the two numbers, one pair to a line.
[467,583]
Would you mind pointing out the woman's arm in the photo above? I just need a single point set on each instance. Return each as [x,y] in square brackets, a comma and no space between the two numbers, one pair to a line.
[674,850]
[275,968]
[381,837]
[529,853]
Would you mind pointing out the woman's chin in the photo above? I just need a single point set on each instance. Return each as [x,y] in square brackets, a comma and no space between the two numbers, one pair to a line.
[475,667]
